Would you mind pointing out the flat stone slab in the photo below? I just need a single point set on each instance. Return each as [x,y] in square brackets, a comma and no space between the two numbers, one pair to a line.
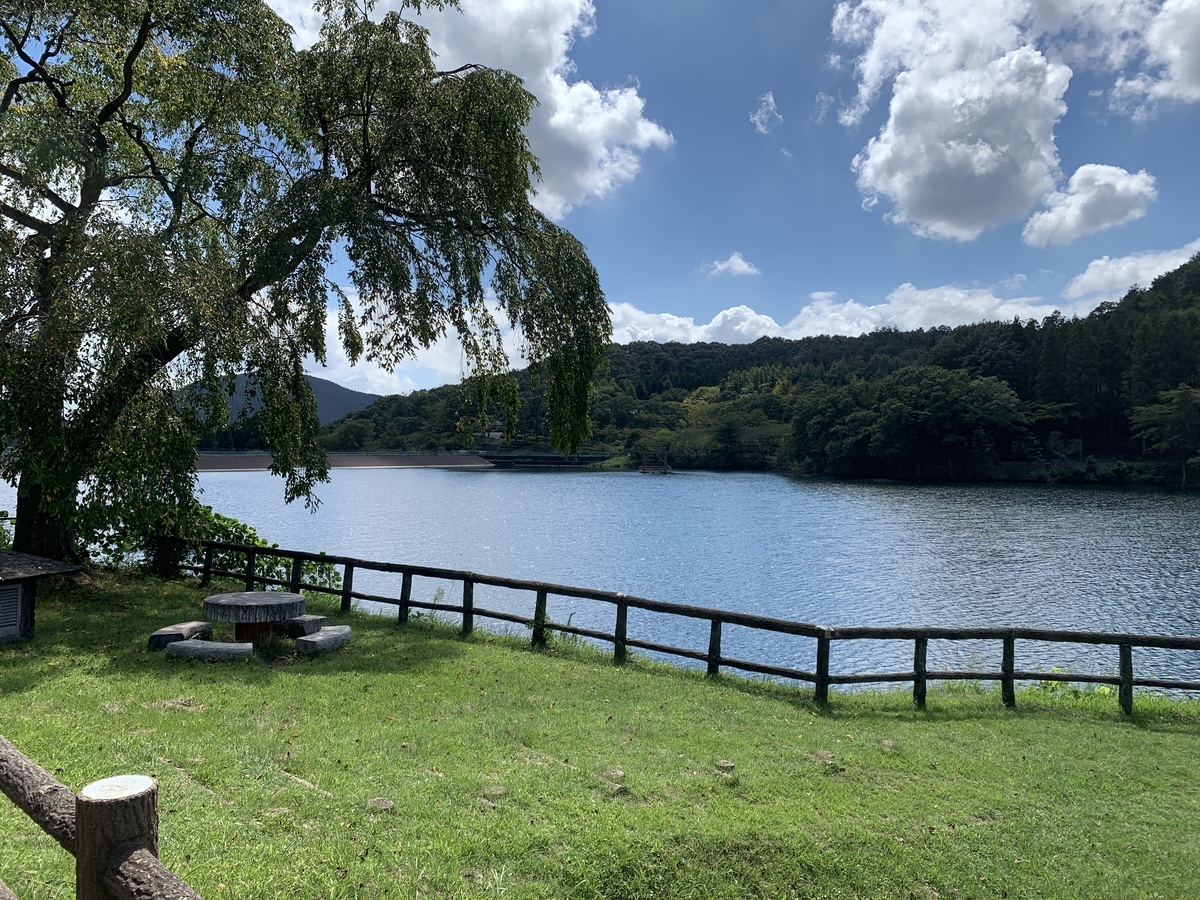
[210,650]
[253,606]
[301,625]
[328,638]
[184,631]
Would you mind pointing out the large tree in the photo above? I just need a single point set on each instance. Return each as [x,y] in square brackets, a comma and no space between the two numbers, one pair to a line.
[176,181]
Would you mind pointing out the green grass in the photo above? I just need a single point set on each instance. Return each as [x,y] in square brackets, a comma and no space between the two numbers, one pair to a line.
[266,767]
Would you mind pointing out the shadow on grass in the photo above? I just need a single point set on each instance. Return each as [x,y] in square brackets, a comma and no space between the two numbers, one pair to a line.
[102,624]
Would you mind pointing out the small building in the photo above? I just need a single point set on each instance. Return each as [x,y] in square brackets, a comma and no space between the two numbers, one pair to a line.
[19,575]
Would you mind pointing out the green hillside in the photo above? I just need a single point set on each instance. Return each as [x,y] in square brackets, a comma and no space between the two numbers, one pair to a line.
[991,400]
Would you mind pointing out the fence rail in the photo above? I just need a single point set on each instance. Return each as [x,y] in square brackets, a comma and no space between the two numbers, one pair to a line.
[111,828]
[820,677]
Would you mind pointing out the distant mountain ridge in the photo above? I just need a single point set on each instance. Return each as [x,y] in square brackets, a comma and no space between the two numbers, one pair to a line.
[333,400]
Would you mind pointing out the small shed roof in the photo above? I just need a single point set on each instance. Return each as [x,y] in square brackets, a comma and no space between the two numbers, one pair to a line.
[21,566]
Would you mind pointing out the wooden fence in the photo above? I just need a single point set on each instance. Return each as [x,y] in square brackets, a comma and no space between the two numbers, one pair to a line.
[111,828]
[821,677]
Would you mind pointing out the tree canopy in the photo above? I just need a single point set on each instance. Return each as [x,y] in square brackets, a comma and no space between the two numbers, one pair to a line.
[176,180]
[1011,400]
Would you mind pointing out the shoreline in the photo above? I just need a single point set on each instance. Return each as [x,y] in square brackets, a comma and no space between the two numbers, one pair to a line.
[260,462]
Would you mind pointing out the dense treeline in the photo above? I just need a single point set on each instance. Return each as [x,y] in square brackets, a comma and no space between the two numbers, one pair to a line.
[996,399]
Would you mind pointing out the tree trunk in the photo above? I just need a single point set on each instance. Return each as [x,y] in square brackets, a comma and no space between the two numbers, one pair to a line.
[38,531]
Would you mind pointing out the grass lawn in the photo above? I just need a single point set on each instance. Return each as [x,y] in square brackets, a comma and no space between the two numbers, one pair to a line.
[520,774]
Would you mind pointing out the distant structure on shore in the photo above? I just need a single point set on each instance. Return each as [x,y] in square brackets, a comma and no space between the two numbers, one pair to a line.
[655,462]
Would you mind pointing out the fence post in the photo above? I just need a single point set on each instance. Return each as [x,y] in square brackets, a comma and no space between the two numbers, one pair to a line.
[1126,689]
[112,814]
[206,575]
[920,646]
[539,621]
[1008,664]
[297,575]
[468,613]
[250,554]
[821,686]
[620,654]
[714,648]
[405,597]
[347,586]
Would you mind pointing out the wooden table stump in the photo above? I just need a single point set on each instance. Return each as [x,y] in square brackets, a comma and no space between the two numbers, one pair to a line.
[254,613]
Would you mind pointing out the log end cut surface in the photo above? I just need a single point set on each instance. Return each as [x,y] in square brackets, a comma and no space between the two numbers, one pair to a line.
[119,787]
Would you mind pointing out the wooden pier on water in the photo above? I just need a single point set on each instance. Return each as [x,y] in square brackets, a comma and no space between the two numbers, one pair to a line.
[655,462]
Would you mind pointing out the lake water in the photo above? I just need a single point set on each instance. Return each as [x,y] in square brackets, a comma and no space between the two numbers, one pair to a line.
[825,552]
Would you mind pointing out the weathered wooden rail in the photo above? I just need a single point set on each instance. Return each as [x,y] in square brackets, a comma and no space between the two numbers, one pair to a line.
[111,828]
[821,678]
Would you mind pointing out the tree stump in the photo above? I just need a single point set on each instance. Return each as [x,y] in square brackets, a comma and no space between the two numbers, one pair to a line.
[254,613]
[111,814]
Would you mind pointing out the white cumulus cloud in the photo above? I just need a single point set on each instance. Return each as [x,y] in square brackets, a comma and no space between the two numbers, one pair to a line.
[737,325]
[907,308]
[966,150]
[766,118]
[1108,278]
[1172,72]
[977,90]
[734,265]
[1097,197]
[588,140]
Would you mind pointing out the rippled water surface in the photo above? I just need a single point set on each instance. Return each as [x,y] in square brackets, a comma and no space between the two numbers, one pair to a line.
[817,551]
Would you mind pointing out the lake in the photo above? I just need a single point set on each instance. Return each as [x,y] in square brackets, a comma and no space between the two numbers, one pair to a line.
[820,551]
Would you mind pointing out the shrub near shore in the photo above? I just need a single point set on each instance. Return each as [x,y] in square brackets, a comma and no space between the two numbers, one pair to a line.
[559,775]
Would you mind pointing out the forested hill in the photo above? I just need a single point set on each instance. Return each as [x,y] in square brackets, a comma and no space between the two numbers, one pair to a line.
[976,401]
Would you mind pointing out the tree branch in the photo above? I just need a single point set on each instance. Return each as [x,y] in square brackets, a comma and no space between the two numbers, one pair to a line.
[31,222]
[44,192]
[94,421]
[51,49]
[110,109]
[468,67]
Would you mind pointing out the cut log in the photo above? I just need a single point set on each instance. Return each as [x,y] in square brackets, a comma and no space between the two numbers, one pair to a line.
[111,814]
[215,650]
[184,631]
[135,873]
[299,626]
[328,638]
[253,606]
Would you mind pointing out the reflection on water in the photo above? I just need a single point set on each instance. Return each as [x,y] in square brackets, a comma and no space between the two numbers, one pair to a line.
[818,551]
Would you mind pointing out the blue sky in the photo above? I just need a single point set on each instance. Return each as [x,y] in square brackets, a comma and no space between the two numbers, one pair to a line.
[797,168]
